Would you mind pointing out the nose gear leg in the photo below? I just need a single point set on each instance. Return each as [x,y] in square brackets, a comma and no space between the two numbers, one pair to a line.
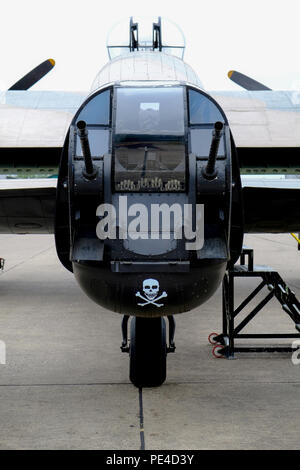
[124,326]
[172,327]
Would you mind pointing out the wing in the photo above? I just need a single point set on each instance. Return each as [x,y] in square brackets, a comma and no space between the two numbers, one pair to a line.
[36,119]
[271,203]
[27,206]
[266,129]
[33,126]
[262,119]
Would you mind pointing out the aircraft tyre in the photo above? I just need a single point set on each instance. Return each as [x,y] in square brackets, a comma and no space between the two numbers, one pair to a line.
[147,352]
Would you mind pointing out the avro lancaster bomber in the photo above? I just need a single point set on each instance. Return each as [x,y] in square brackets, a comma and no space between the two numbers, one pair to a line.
[148,182]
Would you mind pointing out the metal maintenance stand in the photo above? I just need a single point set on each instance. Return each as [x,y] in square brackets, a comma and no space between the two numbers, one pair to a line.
[231,330]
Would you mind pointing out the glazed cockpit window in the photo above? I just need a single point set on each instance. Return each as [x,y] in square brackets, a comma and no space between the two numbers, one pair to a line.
[151,111]
[203,114]
[202,109]
[201,142]
[149,145]
[98,141]
[97,110]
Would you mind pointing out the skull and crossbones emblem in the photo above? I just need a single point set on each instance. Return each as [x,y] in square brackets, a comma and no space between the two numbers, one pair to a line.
[151,290]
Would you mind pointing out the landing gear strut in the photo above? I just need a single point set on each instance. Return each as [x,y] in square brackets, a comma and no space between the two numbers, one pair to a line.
[148,349]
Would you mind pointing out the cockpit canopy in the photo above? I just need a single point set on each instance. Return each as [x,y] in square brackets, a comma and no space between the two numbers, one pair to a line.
[144,34]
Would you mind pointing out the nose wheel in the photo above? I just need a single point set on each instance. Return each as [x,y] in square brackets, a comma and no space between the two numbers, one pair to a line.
[147,352]
[148,349]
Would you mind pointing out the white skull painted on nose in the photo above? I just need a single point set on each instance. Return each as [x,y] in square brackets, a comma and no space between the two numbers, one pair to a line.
[150,288]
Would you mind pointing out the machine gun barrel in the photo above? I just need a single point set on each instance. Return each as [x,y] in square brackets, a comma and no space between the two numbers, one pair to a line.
[209,172]
[82,133]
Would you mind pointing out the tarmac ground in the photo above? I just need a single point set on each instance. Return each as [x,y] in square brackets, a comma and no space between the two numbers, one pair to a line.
[65,383]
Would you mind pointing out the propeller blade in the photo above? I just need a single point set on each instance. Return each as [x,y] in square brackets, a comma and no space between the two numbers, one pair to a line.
[246,82]
[34,75]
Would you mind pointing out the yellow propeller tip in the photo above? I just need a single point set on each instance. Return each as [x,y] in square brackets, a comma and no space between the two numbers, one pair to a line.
[52,62]
[230,73]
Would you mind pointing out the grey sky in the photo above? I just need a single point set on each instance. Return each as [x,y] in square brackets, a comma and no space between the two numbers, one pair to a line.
[259,38]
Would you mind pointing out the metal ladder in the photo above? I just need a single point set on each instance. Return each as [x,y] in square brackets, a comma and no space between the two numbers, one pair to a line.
[225,342]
